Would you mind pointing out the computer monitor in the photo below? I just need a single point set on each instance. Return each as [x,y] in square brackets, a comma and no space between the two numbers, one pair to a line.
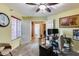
[53,31]
[49,31]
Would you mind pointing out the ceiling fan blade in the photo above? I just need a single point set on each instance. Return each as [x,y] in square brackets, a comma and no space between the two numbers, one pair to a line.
[47,9]
[31,3]
[51,4]
[38,10]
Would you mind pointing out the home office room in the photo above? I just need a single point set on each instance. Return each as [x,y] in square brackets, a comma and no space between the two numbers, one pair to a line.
[39,29]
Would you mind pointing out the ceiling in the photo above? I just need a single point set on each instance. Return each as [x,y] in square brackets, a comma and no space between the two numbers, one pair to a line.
[29,10]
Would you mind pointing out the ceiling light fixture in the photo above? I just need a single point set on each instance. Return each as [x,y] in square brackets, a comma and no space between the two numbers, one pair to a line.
[42,7]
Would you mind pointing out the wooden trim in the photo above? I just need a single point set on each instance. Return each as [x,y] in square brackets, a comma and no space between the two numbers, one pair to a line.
[15,17]
[33,36]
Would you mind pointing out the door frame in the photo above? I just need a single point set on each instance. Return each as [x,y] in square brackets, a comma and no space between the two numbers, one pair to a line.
[41,28]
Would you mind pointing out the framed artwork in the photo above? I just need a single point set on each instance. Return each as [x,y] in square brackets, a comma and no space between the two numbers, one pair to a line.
[69,22]
[76,34]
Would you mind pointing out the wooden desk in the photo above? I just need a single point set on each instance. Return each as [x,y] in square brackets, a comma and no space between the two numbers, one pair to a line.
[45,51]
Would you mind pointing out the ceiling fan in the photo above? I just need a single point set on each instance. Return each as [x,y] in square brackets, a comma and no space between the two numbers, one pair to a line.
[43,6]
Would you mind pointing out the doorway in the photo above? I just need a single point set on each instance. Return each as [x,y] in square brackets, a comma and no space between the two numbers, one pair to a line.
[38,31]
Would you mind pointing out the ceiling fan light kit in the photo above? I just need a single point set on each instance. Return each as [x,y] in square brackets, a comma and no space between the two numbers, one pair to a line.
[43,6]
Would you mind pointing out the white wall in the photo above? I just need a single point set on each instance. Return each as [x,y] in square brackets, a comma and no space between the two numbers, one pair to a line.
[26,31]
[49,24]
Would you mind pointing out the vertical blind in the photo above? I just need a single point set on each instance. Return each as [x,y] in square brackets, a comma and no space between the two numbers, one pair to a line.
[15,27]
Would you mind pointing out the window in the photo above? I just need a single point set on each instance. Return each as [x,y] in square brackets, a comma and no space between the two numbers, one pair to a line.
[15,27]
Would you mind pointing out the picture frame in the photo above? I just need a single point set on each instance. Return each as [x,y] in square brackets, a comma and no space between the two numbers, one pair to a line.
[69,21]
